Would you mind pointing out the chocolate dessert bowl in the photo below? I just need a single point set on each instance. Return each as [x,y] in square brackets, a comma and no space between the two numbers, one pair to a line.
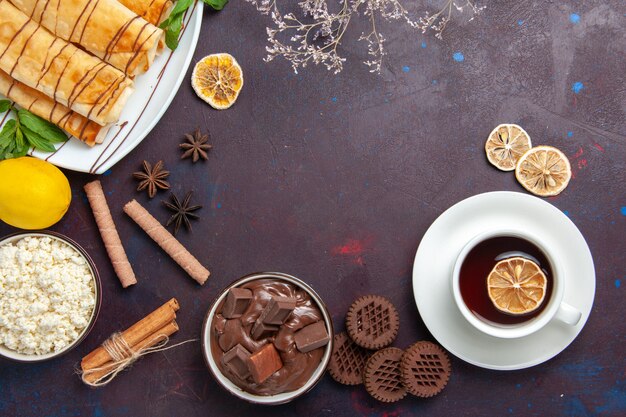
[269,340]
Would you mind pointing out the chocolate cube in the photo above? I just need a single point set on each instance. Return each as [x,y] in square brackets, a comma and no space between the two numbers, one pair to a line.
[236,360]
[311,337]
[264,362]
[278,310]
[261,330]
[237,301]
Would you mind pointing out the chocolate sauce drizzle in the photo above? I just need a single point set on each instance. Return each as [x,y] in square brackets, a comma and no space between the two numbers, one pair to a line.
[96,165]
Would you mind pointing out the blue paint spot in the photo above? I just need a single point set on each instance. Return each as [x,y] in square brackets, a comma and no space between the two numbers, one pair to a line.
[614,401]
[583,371]
[510,411]
[574,407]
[570,134]
[458,56]
[334,99]
[219,205]
[98,412]
[577,87]
[574,18]
[107,173]
[623,210]
[520,22]
[406,68]
[618,283]
[434,82]
[566,212]
[518,386]
[529,405]
[423,44]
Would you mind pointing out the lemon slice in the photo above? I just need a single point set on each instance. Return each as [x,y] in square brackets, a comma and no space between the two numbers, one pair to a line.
[544,171]
[217,79]
[505,144]
[516,286]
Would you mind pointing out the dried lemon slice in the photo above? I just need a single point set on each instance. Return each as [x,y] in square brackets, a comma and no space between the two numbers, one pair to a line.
[544,171]
[217,79]
[505,144]
[516,286]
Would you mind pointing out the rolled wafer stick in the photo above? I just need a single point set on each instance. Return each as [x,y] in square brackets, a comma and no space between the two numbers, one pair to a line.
[135,333]
[158,336]
[166,241]
[111,239]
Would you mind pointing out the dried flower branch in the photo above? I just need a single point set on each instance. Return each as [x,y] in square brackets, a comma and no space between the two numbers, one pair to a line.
[316,36]
[438,21]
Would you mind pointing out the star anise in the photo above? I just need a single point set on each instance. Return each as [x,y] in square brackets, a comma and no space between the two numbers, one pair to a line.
[195,146]
[182,212]
[152,178]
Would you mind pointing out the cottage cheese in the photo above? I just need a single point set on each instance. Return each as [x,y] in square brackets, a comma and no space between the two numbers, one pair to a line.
[47,295]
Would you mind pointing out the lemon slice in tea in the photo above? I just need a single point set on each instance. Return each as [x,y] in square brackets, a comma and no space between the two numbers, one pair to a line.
[516,286]
[505,144]
[544,171]
[217,79]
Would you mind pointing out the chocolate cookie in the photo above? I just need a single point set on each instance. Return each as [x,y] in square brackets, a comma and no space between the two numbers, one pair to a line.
[372,322]
[425,369]
[347,361]
[382,376]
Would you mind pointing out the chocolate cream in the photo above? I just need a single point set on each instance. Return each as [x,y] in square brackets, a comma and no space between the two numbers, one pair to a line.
[297,366]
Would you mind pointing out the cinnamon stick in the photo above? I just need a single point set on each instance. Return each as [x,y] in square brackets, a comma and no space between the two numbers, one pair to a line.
[166,331]
[110,237]
[136,333]
[166,241]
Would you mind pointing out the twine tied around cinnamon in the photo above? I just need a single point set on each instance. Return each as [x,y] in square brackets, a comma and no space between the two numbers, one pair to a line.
[124,356]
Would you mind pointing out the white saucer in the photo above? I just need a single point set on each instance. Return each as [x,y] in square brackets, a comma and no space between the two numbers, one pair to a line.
[442,243]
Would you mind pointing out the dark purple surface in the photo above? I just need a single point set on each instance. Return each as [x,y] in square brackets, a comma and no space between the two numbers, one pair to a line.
[335,179]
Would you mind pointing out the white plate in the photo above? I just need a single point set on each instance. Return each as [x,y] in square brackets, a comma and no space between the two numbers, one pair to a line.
[154,91]
[442,243]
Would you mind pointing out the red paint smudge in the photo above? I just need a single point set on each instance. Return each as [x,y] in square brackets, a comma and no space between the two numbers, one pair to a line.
[598,147]
[353,248]
[579,153]
[582,163]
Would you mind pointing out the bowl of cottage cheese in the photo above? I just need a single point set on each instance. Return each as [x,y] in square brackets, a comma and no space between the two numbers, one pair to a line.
[50,295]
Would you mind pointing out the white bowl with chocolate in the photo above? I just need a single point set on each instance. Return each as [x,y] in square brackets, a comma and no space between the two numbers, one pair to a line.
[267,338]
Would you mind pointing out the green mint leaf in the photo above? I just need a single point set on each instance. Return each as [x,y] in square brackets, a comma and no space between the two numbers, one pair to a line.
[173,32]
[19,138]
[37,141]
[216,4]
[174,23]
[7,139]
[4,105]
[19,152]
[46,130]
[7,135]
[19,147]
[180,8]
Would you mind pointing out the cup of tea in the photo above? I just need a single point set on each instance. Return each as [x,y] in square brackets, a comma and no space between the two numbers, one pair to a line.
[514,251]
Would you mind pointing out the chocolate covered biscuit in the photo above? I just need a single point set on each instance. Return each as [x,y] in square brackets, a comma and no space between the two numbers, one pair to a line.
[382,376]
[372,322]
[425,369]
[347,361]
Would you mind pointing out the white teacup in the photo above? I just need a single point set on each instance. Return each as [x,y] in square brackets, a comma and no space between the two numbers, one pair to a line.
[556,308]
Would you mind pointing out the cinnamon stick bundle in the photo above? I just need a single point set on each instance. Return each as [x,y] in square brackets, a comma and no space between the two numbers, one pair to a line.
[147,332]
